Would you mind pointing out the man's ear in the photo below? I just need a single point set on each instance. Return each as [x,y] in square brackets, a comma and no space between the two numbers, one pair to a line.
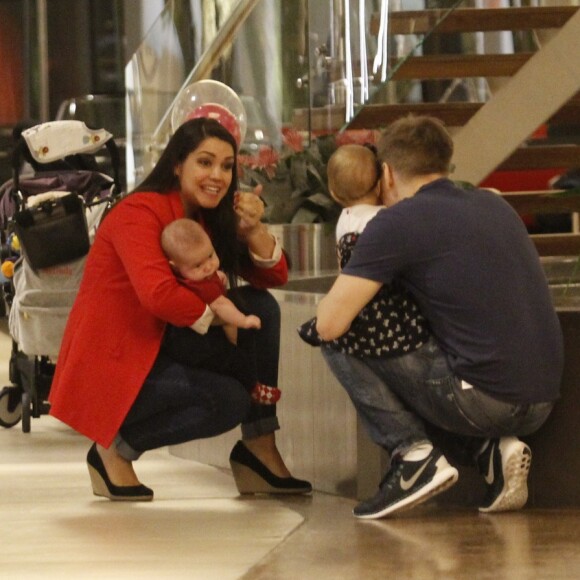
[389,194]
[388,179]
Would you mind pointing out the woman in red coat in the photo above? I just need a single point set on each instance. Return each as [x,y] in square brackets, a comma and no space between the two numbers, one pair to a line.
[113,381]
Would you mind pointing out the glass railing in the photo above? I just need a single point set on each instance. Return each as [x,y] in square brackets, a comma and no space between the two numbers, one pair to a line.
[184,44]
[367,47]
[306,71]
[425,51]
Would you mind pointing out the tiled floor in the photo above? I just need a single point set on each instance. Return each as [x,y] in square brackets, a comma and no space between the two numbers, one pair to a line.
[53,526]
[198,527]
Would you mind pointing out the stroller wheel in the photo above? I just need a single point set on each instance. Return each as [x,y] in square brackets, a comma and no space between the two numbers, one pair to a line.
[26,412]
[10,406]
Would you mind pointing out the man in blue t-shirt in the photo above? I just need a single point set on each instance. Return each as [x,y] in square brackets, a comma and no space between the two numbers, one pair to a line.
[493,367]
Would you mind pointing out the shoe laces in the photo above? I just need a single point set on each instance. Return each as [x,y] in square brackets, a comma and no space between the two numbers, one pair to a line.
[392,474]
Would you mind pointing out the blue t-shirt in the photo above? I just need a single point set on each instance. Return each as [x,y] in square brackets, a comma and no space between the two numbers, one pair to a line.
[467,258]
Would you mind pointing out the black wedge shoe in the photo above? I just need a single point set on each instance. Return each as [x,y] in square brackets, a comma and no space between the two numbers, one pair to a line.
[103,486]
[252,476]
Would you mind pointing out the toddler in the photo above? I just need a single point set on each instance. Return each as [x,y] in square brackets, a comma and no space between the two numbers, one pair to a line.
[390,324]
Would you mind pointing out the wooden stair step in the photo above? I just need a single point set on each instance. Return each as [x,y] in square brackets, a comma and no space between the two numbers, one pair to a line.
[557,244]
[568,114]
[375,117]
[542,202]
[542,157]
[475,19]
[451,66]
[453,114]
[447,66]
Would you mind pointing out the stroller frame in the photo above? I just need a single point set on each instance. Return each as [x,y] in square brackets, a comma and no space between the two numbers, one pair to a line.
[56,150]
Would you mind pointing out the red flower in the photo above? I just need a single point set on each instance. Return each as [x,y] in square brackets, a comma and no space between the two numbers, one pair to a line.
[247,161]
[293,139]
[266,160]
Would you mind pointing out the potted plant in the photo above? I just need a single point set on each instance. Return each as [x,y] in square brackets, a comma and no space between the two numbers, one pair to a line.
[294,180]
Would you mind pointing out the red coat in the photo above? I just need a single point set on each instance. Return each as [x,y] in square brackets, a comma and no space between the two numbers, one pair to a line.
[114,331]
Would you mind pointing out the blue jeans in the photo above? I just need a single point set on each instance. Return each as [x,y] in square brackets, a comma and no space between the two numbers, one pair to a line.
[414,398]
[179,403]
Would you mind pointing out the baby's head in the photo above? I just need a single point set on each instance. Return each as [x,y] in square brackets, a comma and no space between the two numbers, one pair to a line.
[354,174]
[189,250]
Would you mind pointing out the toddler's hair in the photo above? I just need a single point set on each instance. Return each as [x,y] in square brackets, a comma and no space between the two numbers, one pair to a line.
[353,172]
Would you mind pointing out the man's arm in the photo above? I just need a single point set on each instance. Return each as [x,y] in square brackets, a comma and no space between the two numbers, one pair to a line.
[346,298]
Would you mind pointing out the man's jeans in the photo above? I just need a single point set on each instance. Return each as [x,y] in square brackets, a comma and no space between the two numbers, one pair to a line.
[409,399]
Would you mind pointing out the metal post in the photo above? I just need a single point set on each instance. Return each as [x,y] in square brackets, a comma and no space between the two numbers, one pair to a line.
[42,30]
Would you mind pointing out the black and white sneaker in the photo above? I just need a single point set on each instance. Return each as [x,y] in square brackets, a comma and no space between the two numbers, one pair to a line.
[408,483]
[505,464]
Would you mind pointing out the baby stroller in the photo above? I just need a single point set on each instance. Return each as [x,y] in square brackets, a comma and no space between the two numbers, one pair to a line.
[48,220]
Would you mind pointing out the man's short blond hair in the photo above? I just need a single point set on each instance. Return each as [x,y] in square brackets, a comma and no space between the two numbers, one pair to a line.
[416,145]
[352,173]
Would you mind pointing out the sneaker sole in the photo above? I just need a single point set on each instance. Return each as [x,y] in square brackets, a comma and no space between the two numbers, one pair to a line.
[515,493]
[441,482]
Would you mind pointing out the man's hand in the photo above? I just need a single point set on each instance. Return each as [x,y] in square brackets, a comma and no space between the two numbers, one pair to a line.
[346,298]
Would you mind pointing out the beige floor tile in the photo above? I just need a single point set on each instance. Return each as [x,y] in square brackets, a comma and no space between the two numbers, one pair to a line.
[51,526]
[196,527]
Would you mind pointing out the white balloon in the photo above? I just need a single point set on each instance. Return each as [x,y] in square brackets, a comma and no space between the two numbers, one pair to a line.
[209,98]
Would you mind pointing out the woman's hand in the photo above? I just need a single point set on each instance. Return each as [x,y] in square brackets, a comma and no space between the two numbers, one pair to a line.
[249,207]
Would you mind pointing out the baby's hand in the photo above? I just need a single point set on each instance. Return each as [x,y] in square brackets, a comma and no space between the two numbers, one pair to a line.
[223,278]
[252,322]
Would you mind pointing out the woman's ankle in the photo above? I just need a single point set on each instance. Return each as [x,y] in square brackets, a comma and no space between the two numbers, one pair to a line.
[119,470]
[265,449]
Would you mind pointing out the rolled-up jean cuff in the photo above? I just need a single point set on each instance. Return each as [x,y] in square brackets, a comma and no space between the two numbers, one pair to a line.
[263,426]
[125,450]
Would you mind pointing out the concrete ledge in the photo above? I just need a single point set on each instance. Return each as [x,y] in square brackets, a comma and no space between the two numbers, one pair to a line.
[322,439]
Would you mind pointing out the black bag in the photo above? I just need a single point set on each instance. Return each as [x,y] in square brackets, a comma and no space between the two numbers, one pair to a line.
[54,232]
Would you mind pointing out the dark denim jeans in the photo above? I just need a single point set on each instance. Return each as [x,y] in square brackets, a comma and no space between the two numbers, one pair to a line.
[413,398]
[180,403]
[265,346]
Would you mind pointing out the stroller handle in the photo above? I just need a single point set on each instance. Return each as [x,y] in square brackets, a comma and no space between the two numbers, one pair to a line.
[73,161]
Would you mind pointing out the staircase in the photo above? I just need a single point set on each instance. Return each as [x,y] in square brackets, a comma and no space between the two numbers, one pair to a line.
[537,87]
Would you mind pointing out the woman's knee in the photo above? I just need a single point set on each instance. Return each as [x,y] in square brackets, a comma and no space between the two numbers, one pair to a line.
[259,302]
[235,402]
[227,403]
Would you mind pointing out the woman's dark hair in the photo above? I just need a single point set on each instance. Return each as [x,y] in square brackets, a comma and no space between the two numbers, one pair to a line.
[221,220]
